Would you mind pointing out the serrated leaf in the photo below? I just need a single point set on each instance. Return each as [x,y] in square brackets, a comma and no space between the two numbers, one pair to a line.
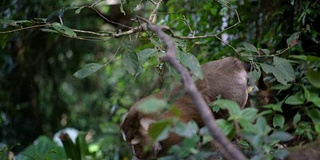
[250,47]
[314,78]
[293,39]
[152,105]
[87,70]
[131,62]
[278,121]
[63,29]
[190,61]
[160,130]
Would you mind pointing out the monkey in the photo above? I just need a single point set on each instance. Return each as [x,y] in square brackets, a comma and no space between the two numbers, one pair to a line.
[225,78]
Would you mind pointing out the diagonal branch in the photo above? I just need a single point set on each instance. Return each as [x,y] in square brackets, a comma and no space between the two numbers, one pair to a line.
[227,148]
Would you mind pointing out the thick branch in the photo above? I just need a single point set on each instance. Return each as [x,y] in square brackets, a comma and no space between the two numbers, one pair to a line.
[228,149]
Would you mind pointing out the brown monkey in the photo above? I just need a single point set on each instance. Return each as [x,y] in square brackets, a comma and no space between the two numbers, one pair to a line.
[226,78]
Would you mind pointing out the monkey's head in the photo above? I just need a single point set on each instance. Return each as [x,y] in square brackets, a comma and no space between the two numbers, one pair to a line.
[134,129]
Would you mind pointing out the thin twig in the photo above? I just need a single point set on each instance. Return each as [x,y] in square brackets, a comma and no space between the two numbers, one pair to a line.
[154,11]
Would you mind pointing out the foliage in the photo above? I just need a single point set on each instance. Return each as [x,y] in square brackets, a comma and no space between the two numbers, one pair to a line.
[44,43]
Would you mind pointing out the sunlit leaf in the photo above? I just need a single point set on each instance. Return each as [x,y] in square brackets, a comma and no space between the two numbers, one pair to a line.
[87,70]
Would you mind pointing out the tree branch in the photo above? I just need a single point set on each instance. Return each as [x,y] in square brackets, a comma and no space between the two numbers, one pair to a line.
[228,149]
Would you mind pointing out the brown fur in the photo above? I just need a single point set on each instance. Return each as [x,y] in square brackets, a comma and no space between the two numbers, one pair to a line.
[226,77]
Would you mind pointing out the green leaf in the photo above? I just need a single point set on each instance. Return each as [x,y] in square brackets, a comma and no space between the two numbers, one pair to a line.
[281,136]
[296,119]
[280,153]
[131,63]
[293,39]
[63,29]
[231,106]
[255,73]
[249,114]
[152,105]
[160,130]
[281,69]
[314,114]
[246,125]
[250,47]
[266,51]
[87,70]
[79,10]
[42,148]
[296,99]
[190,61]
[315,99]
[49,30]
[4,38]
[226,127]
[82,144]
[262,126]
[186,130]
[285,68]
[275,107]
[314,78]
[146,53]
[278,121]
[299,57]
